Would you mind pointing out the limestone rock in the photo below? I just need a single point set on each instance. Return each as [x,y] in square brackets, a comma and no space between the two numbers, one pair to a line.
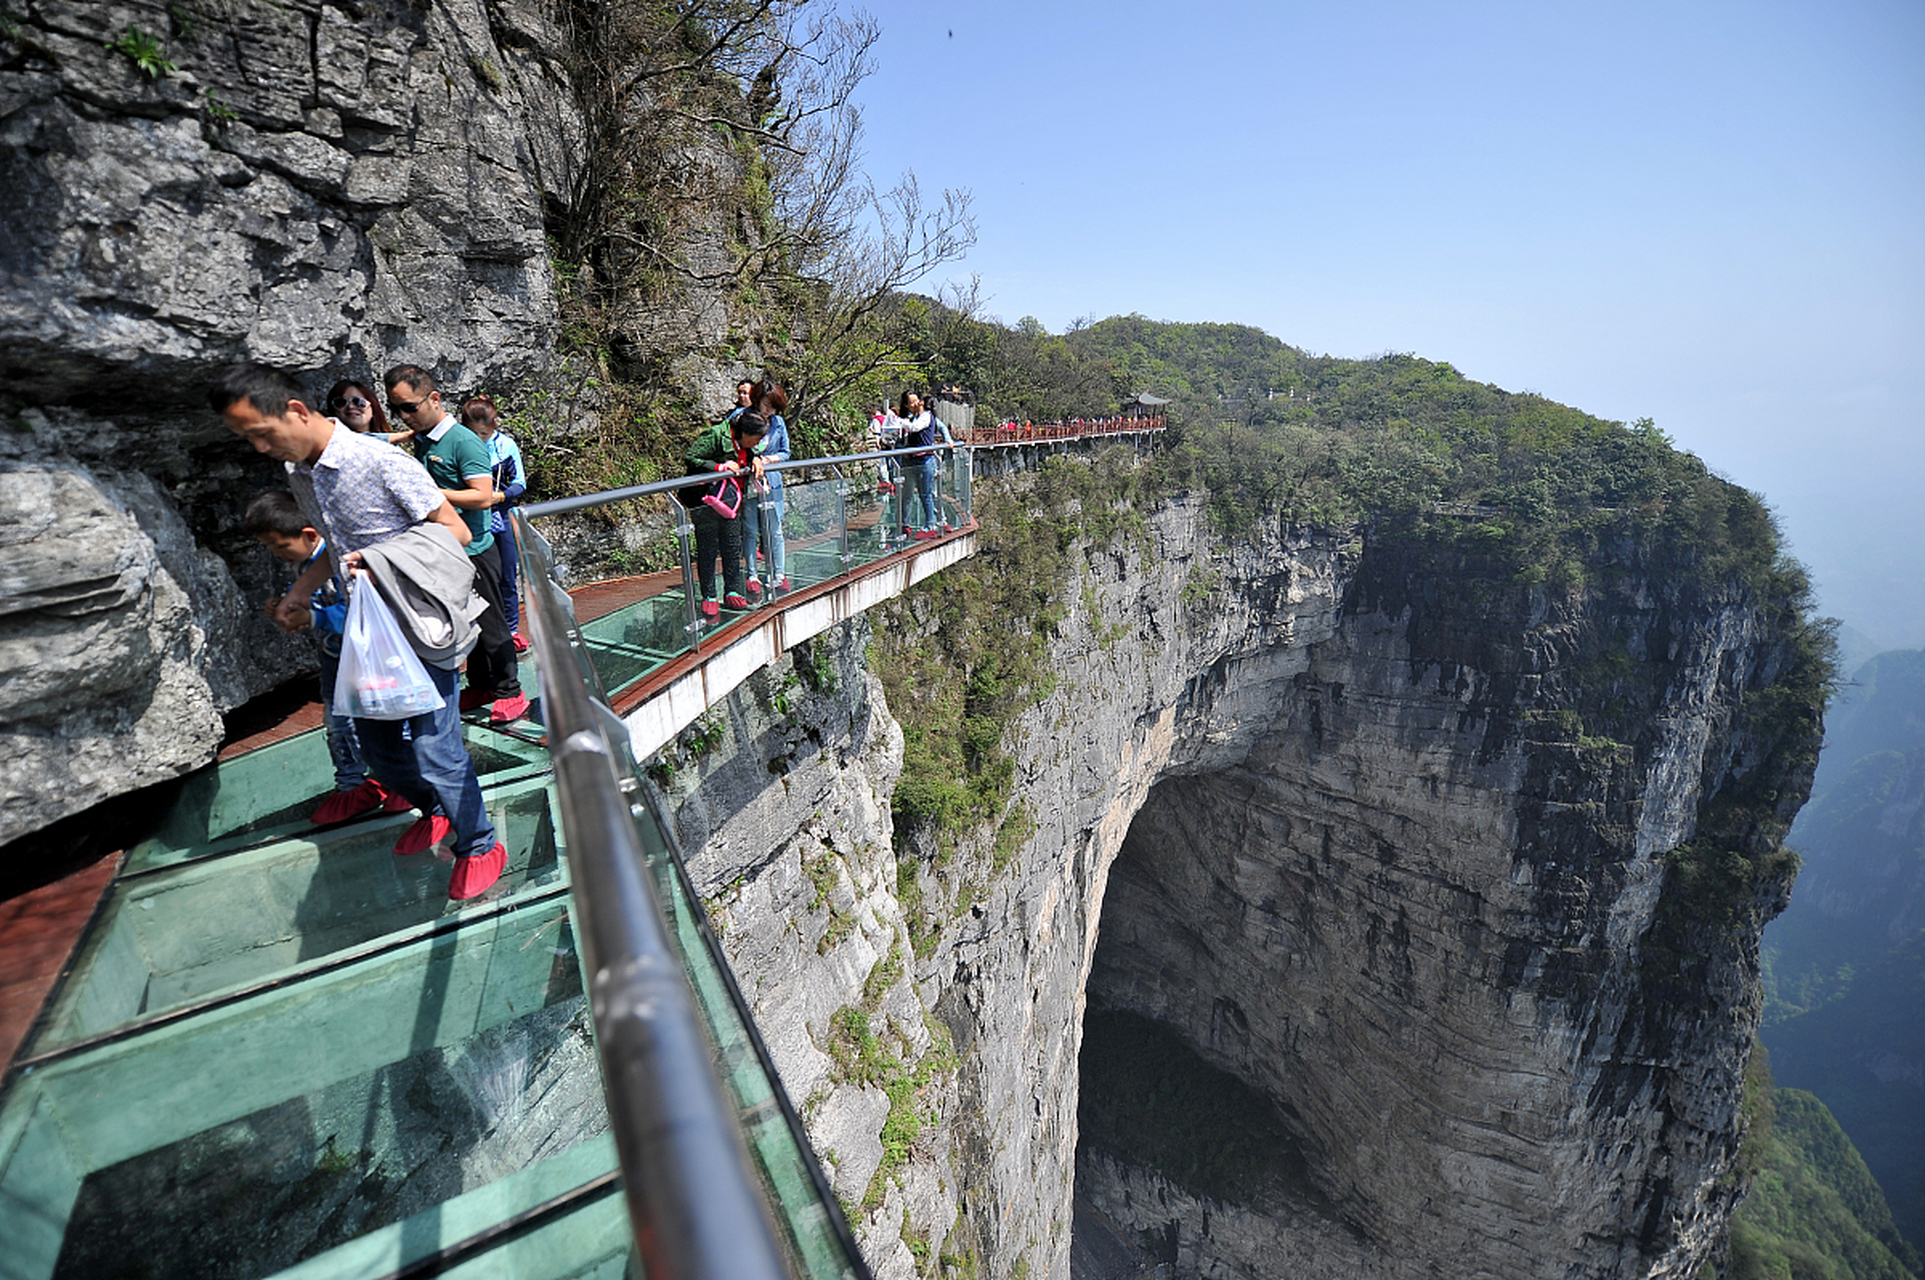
[327,188]
[1333,826]
[100,654]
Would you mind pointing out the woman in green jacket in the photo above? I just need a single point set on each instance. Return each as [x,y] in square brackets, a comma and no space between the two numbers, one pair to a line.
[729,448]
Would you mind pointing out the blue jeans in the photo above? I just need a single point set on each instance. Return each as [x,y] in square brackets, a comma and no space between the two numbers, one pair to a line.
[510,577]
[922,479]
[344,749]
[423,759]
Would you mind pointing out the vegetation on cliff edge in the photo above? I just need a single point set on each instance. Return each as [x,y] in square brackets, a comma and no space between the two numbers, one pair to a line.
[1525,495]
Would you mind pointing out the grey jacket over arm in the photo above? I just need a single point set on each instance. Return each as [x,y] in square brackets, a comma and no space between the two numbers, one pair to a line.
[429,582]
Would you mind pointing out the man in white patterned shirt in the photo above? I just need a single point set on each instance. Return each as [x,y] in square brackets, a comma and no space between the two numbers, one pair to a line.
[359,491]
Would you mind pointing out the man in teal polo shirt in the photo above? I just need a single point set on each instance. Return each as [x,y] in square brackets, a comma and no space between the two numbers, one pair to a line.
[458,461]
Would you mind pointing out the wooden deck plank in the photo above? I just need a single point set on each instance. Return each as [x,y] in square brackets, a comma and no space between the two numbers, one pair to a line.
[38,932]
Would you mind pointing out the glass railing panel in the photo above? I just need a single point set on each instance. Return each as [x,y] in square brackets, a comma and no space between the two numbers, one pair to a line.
[656,622]
[811,524]
[955,467]
[268,793]
[327,1108]
[875,508]
[621,666]
[787,1167]
[190,932]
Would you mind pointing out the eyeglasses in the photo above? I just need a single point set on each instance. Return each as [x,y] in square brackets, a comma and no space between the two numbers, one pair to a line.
[404,406]
[348,402]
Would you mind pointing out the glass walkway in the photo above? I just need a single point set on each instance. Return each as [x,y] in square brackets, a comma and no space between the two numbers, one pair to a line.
[281,1051]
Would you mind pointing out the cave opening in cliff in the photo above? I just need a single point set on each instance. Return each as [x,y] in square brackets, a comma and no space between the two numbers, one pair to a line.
[1175,1109]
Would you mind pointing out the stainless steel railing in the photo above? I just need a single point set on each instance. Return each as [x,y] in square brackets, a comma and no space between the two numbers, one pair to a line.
[695,1208]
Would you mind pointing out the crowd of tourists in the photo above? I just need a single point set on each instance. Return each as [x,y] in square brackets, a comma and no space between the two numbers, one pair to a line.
[1013,430]
[428,524]
[409,492]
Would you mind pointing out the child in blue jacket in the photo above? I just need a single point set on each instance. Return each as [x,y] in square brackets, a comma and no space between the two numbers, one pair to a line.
[275,518]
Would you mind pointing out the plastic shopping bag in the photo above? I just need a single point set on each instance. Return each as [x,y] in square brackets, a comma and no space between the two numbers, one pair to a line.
[380,676]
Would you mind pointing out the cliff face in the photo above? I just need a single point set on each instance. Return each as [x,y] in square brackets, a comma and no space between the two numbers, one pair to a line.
[1347,822]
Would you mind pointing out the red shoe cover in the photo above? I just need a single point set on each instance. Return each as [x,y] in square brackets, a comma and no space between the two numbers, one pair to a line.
[476,875]
[424,835]
[343,805]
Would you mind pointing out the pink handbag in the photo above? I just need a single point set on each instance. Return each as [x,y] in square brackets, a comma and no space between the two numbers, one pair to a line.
[725,499]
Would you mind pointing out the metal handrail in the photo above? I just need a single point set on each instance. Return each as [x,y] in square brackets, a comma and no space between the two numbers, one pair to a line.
[561,506]
[692,1199]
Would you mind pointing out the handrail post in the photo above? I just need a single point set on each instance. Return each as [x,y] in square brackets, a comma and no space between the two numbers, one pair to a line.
[684,542]
[843,555]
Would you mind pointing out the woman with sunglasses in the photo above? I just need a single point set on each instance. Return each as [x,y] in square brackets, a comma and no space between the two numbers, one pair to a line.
[356,407]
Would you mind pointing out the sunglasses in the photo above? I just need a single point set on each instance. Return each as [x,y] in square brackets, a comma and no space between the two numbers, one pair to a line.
[406,406]
[348,402]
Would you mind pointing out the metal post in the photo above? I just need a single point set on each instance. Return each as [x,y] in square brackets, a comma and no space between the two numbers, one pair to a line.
[691,589]
[843,556]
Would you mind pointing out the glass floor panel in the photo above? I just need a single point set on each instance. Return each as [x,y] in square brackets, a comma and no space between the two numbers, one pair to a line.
[174,936]
[620,666]
[246,1138]
[658,623]
[586,1235]
[268,794]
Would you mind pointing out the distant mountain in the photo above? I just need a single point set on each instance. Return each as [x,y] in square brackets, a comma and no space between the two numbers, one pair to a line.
[1881,707]
[1855,648]
[1864,1054]
[1861,891]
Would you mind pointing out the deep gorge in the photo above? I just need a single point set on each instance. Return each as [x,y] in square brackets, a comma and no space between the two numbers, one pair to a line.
[1335,836]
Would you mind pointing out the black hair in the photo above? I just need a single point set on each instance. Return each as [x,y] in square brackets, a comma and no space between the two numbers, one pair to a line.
[902,406]
[749,423]
[414,375]
[274,511]
[268,390]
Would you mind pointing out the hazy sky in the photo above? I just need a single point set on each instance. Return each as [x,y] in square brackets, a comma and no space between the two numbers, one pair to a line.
[1710,215]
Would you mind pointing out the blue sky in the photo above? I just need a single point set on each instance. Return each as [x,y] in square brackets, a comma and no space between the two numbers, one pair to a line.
[1712,215]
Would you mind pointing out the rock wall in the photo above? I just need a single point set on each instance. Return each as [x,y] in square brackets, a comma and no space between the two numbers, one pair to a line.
[1328,818]
[330,186]
[326,187]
